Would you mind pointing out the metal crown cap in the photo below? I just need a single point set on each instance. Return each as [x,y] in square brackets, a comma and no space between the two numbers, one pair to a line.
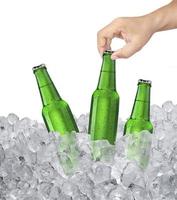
[38,67]
[145,81]
[108,52]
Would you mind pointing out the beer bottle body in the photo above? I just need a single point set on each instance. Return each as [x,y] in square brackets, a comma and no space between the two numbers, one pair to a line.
[56,112]
[104,115]
[138,126]
[140,116]
[105,103]
[58,117]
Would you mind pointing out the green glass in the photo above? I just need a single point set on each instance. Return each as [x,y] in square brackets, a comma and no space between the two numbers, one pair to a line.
[140,116]
[105,103]
[56,112]
[137,128]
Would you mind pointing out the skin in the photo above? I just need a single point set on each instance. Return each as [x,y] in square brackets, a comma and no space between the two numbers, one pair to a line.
[136,31]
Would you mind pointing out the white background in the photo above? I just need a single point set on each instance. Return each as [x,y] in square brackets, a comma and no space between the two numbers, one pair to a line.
[62,34]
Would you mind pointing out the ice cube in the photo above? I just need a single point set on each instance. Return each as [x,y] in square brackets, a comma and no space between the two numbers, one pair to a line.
[132,174]
[83,122]
[83,142]
[174,115]
[85,184]
[121,125]
[2,154]
[157,114]
[45,172]
[69,189]
[120,193]
[168,106]
[85,161]
[45,189]
[98,147]
[139,193]
[101,172]
[66,163]
[12,118]
[55,192]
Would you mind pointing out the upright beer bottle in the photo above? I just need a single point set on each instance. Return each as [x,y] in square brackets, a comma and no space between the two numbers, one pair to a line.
[140,116]
[139,141]
[56,112]
[105,103]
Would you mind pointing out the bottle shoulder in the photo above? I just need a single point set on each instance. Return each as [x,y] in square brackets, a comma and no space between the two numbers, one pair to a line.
[138,125]
[55,104]
[105,93]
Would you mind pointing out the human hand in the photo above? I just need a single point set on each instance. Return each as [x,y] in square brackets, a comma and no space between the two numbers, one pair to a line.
[135,31]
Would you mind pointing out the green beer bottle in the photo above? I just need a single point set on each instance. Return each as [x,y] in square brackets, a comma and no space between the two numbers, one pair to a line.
[140,116]
[56,112]
[105,103]
[137,128]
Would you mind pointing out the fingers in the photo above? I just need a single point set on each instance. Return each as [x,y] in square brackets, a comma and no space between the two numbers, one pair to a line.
[131,29]
[101,44]
[104,38]
[104,43]
[125,52]
[108,44]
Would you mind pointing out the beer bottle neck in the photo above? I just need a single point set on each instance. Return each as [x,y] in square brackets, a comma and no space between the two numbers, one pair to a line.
[107,79]
[141,107]
[47,89]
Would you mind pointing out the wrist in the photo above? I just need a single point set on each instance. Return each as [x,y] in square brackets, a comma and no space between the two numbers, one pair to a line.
[164,18]
[149,24]
[155,21]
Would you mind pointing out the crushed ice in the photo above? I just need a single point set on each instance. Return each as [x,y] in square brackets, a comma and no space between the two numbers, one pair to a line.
[37,165]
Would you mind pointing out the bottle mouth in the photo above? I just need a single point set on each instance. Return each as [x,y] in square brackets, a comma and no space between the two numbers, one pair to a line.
[38,67]
[108,52]
[148,82]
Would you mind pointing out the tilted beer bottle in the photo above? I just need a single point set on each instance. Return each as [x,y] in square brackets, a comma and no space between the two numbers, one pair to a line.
[140,116]
[105,103]
[56,112]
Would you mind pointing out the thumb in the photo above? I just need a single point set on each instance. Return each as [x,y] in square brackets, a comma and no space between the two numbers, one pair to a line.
[125,52]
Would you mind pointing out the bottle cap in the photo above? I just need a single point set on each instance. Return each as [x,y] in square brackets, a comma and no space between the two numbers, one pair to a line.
[145,81]
[38,67]
[108,52]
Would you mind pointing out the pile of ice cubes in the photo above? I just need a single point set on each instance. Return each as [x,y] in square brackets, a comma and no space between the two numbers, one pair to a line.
[37,165]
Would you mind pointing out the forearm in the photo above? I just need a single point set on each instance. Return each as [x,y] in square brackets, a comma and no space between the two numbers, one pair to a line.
[164,18]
